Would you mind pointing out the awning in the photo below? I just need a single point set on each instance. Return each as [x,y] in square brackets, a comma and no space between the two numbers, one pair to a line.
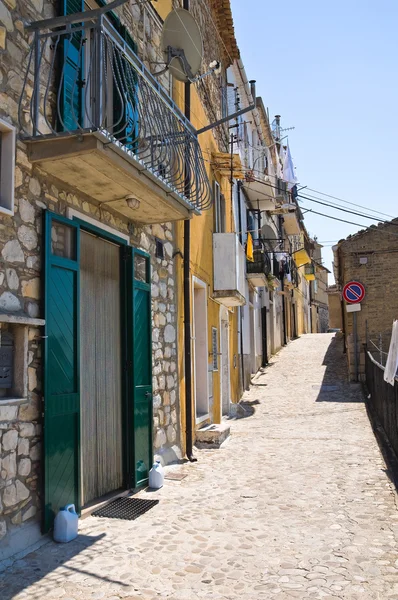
[301,257]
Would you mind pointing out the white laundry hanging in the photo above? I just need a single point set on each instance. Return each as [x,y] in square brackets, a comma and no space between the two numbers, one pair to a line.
[392,358]
[288,169]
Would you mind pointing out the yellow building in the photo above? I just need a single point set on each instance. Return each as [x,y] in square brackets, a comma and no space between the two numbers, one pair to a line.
[302,258]
[209,337]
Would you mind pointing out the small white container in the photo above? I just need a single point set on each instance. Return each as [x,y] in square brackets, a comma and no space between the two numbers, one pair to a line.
[156,476]
[66,524]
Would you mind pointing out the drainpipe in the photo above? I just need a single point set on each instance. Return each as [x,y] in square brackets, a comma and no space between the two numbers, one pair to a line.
[283,296]
[341,282]
[239,187]
[187,298]
[284,313]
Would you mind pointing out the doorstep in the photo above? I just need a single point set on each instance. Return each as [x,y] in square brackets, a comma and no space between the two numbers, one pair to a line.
[212,436]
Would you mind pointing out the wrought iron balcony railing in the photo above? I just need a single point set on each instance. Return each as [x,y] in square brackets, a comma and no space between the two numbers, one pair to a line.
[83,78]
[261,262]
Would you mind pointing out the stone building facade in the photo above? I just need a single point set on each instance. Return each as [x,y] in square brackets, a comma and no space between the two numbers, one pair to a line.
[21,285]
[319,293]
[335,318]
[370,258]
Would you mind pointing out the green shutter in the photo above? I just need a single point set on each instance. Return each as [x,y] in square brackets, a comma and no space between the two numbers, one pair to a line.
[72,73]
[61,367]
[127,128]
[141,353]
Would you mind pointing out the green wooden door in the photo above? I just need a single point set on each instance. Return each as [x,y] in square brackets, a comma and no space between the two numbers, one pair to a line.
[61,355]
[142,368]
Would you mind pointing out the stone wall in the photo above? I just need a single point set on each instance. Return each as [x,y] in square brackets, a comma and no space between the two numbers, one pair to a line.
[20,443]
[21,248]
[335,318]
[20,290]
[371,258]
[323,318]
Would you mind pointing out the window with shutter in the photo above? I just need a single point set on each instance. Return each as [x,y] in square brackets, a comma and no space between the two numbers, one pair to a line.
[125,111]
[125,87]
[72,74]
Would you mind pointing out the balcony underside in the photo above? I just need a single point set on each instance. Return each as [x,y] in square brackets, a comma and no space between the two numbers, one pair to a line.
[260,194]
[291,224]
[105,172]
[257,279]
[229,298]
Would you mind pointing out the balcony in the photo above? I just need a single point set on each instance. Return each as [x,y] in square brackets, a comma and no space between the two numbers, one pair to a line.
[260,193]
[258,269]
[302,251]
[95,119]
[229,270]
[295,275]
[309,272]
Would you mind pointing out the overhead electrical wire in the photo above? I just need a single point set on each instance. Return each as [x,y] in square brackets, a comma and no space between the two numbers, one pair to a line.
[340,208]
[347,202]
[331,217]
[319,200]
[364,208]
[336,219]
[308,198]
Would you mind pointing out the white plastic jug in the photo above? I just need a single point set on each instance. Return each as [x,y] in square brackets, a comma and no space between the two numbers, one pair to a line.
[156,476]
[66,524]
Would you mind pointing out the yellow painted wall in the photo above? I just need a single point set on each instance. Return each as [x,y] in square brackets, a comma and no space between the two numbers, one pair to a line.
[301,305]
[162,7]
[201,266]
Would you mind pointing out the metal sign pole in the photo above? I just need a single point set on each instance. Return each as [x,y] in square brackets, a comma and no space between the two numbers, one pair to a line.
[355,346]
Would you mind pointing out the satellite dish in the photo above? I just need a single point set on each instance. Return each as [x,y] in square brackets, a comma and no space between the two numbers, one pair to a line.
[182,45]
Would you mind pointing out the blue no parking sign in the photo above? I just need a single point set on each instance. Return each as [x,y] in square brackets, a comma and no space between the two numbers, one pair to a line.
[353,292]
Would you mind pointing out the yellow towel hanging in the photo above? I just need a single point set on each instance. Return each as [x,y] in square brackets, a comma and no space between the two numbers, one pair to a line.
[249,248]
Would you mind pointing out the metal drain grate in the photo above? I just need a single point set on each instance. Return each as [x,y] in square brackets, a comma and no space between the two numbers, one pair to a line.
[127,509]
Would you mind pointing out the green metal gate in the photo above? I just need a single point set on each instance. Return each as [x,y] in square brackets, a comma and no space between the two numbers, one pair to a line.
[61,366]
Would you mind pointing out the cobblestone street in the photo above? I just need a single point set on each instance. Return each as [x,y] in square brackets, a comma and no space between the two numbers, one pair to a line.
[296,504]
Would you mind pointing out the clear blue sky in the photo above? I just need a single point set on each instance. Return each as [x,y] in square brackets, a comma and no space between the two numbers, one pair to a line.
[330,69]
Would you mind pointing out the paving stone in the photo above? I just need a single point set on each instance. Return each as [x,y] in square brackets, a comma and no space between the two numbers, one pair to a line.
[255,519]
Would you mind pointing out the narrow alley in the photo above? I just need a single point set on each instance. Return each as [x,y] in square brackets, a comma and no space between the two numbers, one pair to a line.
[296,504]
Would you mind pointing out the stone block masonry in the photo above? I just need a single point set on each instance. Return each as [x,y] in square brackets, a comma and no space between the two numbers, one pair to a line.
[20,291]
[371,258]
[21,284]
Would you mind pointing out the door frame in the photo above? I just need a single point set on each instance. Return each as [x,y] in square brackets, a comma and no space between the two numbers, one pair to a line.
[128,284]
[198,283]
[53,260]
[225,355]
[133,285]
